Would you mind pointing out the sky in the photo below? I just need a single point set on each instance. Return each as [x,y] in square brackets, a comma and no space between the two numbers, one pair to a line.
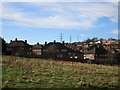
[45,21]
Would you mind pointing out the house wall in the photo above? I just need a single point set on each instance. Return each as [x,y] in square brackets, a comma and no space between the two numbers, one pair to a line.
[19,51]
[55,54]
[90,56]
[108,59]
[80,55]
[37,51]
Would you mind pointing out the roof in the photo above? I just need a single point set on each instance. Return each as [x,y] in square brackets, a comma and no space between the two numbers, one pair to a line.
[114,51]
[92,51]
[18,43]
[37,46]
[97,51]
[56,46]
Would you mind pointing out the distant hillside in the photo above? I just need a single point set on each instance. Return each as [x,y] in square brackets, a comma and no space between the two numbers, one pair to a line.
[19,72]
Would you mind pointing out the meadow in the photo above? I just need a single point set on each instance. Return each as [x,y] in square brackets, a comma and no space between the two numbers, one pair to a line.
[19,72]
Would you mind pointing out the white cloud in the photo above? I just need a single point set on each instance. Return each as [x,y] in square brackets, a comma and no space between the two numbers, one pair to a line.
[68,16]
[60,0]
[88,11]
[114,19]
[115,32]
[82,35]
[20,19]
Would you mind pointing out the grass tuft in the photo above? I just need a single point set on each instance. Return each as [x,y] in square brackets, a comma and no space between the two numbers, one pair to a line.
[21,72]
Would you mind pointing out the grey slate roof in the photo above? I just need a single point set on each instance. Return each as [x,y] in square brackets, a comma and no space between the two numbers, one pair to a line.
[37,46]
[18,43]
[97,51]
[56,45]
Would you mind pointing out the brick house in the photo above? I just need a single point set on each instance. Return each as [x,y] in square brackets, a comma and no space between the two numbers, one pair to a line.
[75,46]
[19,48]
[2,46]
[113,41]
[101,55]
[95,52]
[37,48]
[59,50]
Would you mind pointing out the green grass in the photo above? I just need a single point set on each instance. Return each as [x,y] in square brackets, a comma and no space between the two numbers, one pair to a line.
[38,73]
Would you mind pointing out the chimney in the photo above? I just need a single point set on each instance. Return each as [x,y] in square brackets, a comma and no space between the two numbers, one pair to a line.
[37,43]
[15,39]
[25,41]
[63,42]
[45,43]
[10,41]
[54,41]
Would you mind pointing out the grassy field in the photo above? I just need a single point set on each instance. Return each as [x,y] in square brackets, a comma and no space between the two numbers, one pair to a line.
[21,72]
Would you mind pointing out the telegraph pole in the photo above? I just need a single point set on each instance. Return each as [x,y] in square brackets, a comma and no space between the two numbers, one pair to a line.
[61,37]
[70,39]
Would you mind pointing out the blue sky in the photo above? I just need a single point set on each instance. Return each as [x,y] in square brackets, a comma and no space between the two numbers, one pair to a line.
[44,21]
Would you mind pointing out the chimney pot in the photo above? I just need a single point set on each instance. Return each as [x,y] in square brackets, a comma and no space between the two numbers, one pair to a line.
[38,43]
[25,41]
[54,41]
[15,39]
[63,42]
[10,40]
[45,43]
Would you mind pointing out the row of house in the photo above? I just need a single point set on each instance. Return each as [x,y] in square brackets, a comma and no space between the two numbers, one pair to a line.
[99,52]
[103,55]
[48,50]
[59,50]
[107,52]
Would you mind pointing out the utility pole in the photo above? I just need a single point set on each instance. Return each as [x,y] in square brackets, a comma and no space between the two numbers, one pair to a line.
[61,37]
[70,39]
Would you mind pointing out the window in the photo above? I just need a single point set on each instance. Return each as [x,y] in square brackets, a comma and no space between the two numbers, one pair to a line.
[28,52]
[69,53]
[45,50]
[59,55]
[63,50]
[21,48]
[76,57]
